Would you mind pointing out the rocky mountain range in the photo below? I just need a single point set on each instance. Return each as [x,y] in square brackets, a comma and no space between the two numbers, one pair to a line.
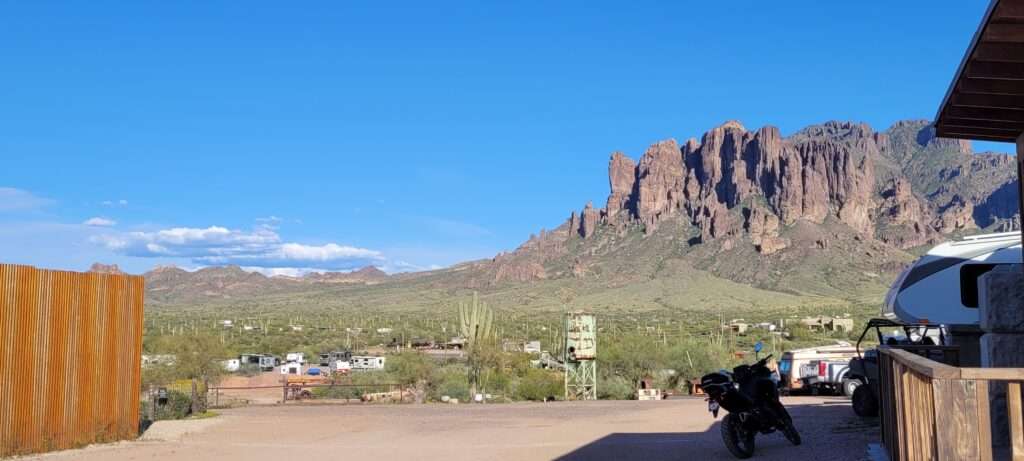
[749,205]
[741,218]
[902,186]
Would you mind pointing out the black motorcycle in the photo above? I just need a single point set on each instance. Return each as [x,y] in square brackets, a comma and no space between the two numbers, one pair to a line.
[752,400]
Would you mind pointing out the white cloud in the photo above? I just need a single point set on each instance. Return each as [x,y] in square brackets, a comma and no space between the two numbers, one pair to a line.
[99,222]
[121,202]
[12,199]
[215,245]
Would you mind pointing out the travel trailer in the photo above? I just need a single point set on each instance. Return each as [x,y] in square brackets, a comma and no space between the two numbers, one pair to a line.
[367,362]
[328,358]
[793,362]
[232,365]
[942,286]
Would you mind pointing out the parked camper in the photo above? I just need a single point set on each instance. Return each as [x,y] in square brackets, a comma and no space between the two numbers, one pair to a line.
[268,362]
[942,286]
[367,362]
[328,358]
[297,357]
[232,365]
[342,367]
[291,368]
[793,363]
[264,362]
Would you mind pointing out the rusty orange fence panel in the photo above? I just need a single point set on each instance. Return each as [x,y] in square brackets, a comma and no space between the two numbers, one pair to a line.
[70,352]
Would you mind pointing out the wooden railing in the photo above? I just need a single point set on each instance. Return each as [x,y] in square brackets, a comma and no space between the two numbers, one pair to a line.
[933,411]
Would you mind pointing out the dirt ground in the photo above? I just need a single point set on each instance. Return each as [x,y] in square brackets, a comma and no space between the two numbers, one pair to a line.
[679,429]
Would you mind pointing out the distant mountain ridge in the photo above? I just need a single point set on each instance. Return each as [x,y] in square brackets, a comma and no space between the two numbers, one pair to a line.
[737,218]
[172,284]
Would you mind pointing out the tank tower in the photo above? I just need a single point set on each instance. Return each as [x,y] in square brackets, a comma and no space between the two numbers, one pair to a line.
[580,356]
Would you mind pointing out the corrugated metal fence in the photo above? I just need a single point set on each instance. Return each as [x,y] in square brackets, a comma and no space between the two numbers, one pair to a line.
[70,347]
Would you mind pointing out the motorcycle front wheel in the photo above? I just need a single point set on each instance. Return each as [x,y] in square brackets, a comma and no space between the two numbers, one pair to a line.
[790,432]
[739,441]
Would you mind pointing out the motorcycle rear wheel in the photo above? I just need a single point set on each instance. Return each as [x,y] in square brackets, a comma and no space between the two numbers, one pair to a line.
[739,441]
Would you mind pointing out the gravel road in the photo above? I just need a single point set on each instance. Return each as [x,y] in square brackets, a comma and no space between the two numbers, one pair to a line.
[679,429]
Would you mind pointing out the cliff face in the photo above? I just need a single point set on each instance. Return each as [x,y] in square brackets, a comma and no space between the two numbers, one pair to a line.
[737,181]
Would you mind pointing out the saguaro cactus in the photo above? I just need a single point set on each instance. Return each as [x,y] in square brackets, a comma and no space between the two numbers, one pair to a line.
[475,321]
[477,329]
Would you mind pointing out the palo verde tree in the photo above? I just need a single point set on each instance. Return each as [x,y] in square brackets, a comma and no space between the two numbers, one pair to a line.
[475,326]
[198,358]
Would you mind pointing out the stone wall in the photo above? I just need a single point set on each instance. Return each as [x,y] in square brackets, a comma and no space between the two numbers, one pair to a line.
[1001,311]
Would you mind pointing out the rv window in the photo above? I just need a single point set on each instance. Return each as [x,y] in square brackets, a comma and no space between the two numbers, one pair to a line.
[969,274]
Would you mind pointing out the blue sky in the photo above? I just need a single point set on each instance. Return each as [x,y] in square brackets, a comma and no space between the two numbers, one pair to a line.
[404,134]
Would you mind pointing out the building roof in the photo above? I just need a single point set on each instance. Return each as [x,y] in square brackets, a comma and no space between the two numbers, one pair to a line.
[985,101]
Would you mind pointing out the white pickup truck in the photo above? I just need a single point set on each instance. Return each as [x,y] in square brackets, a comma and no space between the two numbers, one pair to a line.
[826,376]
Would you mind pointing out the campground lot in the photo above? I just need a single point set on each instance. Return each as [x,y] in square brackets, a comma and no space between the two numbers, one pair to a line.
[678,429]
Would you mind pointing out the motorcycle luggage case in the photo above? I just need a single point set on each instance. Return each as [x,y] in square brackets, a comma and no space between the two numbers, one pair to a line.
[714,383]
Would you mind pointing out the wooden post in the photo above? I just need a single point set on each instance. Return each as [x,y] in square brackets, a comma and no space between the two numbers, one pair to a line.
[1013,400]
[151,411]
[1020,184]
[195,398]
[284,389]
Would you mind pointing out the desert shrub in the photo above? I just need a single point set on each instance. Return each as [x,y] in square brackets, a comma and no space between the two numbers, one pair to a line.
[178,406]
[408,368]
[615,388]
[497,382]
[450,380]
[538,384]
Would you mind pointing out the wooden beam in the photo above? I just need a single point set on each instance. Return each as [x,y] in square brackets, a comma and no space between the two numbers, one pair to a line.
[997,101]
[967,132]
[956,414]
[983,86]
[1020,182]
[1003,32]
[973,136]
[922,365]
[960,133]
[984,423]
[993,374]
[982,129]
[1009,9]
[995,70]
[999,52]
[975,113]
[959,122]
[1013,404]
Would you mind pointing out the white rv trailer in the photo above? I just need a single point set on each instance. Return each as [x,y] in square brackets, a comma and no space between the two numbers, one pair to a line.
[942,286]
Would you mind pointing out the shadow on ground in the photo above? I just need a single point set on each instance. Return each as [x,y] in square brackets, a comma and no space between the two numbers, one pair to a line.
[829,431]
